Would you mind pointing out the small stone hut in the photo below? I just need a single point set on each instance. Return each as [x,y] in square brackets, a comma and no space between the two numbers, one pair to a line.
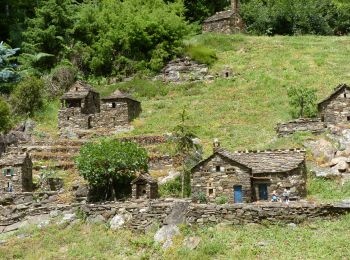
[145,187]
[244,177]
[119,109]
[335,109]
[78,104]
[226,22]
[16,173]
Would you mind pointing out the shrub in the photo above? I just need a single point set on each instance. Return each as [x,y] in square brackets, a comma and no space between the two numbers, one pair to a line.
[5,116]
[171,188]
[201,54]
[109,166]
[302,101]
[221,200]
[60,79]
[29,96]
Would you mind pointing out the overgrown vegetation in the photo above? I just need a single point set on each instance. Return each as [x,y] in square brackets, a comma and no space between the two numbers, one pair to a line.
[302,101]
[110,165]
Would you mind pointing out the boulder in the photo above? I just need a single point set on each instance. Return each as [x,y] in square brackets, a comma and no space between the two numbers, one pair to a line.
[119,220]
[99,219]
[172,175]
[166,234]
[322,149]
[191,242]
[178,213]
[68,218]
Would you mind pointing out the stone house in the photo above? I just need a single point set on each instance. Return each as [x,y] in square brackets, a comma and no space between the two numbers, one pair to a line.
[16,173]
[82,109]
[335,109]
[226,22]
[145,187]
[244,177]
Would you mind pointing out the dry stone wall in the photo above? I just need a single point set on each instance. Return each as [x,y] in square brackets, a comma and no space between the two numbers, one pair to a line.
[315,126]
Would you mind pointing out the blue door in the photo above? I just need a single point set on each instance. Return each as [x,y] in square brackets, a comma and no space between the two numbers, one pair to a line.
[237,198]
[263,193]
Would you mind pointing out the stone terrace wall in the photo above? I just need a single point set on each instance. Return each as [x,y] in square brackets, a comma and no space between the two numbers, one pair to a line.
[315,126]
[139,215]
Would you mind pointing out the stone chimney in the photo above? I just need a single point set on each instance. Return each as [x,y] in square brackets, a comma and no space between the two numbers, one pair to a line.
[235,6]
[216,145]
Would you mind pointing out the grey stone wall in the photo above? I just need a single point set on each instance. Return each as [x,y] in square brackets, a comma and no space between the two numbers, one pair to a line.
[21,178]
[217,178]
[233,24]
[315,126]
[337,109]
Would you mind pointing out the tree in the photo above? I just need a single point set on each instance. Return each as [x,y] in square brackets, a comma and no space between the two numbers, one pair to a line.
[29,96]
[109,165]
[8,73]
[5,116]
[186,147]
[303,101]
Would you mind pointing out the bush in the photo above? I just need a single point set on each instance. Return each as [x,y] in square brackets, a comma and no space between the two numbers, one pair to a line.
[60,79]
[171,188]
[221,200]
[110,165]
[201,54]
[5,116]
[302,101]
[29,96]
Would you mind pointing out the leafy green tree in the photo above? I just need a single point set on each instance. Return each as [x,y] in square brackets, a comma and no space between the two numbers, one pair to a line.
[5,116]
[8,71]
[186,148]
[303,101]
[109,165]
[29,96]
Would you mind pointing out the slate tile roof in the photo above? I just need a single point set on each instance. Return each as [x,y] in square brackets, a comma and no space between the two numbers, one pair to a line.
[83,90]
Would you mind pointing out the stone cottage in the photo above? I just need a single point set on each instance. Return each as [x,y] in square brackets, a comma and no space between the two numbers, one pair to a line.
[244,177]
[335,109]
[82,109]
[16,173]
[226,22]
[145,187]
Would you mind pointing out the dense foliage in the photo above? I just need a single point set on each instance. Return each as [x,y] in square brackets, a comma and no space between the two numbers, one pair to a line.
[110,165]
[323,17]
[8,73]
[302,101]
[5,116]
[28,96]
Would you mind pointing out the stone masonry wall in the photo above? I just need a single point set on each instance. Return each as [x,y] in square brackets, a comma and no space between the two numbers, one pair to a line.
[337,109]
[215,183]
[315,126]
[139,215]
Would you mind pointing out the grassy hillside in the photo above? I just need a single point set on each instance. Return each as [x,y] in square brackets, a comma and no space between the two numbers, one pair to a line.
[243,111]
[317,240]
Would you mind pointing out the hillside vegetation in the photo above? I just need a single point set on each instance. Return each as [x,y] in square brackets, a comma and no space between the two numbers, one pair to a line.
[243,111]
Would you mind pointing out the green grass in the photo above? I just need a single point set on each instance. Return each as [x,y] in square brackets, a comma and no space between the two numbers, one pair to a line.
[316,240]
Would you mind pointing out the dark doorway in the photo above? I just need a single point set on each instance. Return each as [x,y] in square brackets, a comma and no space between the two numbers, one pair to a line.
[263,193]
[141,191]
[89,122]
[237,195]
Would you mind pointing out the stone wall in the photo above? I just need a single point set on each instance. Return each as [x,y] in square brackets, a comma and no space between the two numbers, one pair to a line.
[140,215]
[217,178]
[337,108]
[315,126]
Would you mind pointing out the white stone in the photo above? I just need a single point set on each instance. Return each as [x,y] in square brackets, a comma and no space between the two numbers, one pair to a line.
[166,233]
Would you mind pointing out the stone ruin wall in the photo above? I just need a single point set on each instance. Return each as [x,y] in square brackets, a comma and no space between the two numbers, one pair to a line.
[315,126]
[111,117]
[142,214]
[220,26]
[336,110]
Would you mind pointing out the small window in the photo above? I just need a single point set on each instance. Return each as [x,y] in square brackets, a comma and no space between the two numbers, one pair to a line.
[8,172]
[114,105]
[348,118]
[226,74]
[218,168]
[76,89]
[68,118]
[344,95]
[211,192]
[322,119]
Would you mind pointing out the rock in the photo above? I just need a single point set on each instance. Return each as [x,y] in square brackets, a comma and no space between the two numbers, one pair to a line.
[29,126]
[54,213]
[99,219]
[118,221]
[191,242]
[322,149]
[16,226]
[264,243]
[82,190]
[292,225]
[68,218]
[69,134]
[22,236]
[178,213]
[166,233]
[3,242]
[327,173]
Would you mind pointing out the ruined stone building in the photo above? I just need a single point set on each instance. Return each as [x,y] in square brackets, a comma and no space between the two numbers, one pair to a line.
[226,22]
[83,109]
[243,177]
[334,110]
[144,187]
[16,173]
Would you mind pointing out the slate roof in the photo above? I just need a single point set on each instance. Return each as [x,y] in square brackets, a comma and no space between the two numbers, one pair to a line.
[84,90]
[144,177]
[269,161]
[335,92]
[13,159]
[119,95]
[220,16]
